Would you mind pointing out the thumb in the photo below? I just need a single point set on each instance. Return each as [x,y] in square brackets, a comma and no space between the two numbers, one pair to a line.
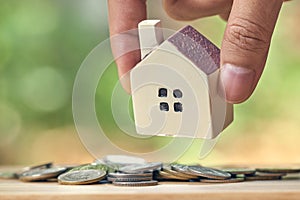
[245,46]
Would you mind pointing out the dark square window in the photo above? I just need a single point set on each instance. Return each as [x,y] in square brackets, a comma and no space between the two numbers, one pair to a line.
[164,106]
[177,107]
[177,93]
[162,92]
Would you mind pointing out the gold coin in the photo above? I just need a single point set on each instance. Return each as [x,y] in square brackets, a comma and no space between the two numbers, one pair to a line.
[162,175]
[178,174]
[183,169]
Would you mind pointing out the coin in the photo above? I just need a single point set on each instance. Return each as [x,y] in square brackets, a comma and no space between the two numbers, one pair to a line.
[40,166]
[38,174]
[8,175]
[136,184]
[279,170]
[209,172]
[123,175]
[137,168]
[81,177]
[239,171]
[184,169]
[169,170]
[230,180]
[261,178]
[44,165]
[71,167]
[131,179]
[270,174]
[122,160]
[165,176]
[101,167]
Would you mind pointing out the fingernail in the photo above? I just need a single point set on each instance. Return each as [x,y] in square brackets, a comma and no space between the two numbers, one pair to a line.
[237,82]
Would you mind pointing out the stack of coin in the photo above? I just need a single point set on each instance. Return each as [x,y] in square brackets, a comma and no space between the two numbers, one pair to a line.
[168,174]
[206,174]
[138,174]
[135,179]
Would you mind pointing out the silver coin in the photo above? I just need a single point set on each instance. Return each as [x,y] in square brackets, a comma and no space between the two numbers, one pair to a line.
[184,169]
[268,174]
[126,175]
[169,170]
[137,168]
[136,184]
[98,161]
[41,174]
[240,171]
[165,176]
[131,179]
[81,177]
[40,166]
[209,172]
[8,175]
[70,167]
[102,167]
[122,160]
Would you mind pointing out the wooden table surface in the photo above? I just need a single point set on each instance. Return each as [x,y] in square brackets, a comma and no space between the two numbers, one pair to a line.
[281,189]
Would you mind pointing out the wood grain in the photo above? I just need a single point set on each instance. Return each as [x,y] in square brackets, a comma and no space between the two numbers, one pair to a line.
[288,189]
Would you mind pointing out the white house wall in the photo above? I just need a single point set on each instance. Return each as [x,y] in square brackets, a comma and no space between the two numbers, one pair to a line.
[168,68]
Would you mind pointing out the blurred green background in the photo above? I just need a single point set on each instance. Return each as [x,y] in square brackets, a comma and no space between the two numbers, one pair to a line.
[43,43]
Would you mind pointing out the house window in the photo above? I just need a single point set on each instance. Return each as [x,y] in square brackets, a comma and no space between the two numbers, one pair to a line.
[177,93]
[177,107]
[162,92]
[164,106]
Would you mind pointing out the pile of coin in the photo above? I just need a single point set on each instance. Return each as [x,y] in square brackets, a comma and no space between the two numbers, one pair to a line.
[131,171]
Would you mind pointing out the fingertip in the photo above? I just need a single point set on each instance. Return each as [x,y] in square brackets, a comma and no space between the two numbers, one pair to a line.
[238,83]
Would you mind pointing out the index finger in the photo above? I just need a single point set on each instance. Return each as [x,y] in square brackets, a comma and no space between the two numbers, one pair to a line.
[124,15]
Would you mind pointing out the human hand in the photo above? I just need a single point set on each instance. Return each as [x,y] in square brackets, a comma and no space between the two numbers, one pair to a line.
[245,44]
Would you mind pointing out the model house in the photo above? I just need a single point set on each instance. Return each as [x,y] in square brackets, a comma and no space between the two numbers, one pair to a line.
[175,88]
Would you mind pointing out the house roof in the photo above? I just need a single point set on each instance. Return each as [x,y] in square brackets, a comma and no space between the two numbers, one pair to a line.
[197,48]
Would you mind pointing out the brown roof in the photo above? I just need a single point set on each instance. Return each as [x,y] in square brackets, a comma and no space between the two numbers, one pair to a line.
[197,48]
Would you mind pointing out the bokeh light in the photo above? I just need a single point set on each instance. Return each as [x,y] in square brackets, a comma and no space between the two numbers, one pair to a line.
[44,89]
[35,17]
[10,124]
